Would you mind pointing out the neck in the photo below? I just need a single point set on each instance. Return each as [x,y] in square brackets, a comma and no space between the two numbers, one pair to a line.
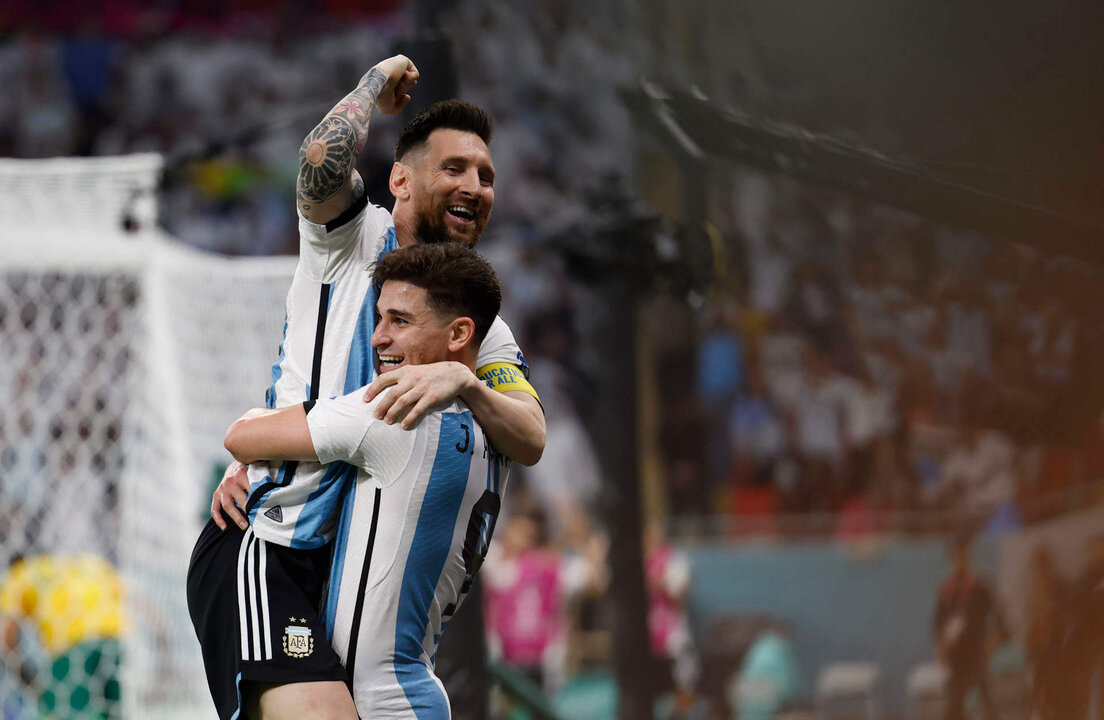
[466,357]
[404,227]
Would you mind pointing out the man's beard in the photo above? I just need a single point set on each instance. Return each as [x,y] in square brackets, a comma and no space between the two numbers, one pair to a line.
[431,228]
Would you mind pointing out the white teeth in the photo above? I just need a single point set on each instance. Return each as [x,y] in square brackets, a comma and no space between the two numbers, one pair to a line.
[390,359]
[462,211]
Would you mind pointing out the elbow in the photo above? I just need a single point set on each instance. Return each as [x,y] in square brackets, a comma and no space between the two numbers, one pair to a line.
[234,440]
[531,454]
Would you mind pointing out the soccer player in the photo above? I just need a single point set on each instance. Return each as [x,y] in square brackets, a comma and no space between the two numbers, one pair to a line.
[443,186]
[430,496]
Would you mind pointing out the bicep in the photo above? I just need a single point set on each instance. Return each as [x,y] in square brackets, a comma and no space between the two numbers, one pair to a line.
[528,398]
[327,176]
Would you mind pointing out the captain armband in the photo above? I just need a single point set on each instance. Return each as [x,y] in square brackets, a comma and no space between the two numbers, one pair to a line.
[505,377]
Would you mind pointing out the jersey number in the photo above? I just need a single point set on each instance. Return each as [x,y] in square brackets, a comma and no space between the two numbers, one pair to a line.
[467,439]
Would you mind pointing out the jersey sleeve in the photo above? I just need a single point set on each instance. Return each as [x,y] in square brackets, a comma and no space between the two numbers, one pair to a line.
[337,427]
[346,429]
[328,249]
[501,364]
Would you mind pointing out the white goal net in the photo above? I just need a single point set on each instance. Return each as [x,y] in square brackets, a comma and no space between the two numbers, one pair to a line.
[123,358]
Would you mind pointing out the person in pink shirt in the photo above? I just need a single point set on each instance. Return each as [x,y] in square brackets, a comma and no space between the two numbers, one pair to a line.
[667,578]
[525,601]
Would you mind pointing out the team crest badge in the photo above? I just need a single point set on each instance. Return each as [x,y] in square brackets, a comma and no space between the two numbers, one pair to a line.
[298,642]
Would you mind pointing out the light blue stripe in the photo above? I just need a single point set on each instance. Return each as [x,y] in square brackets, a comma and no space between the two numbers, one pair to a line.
[337,565]
[277,371]
[237,686]
[391,243]
[428,553]
[360,368]
[321,504]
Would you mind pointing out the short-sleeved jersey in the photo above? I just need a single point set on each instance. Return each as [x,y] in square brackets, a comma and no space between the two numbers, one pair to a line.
[325,353]
[423,510]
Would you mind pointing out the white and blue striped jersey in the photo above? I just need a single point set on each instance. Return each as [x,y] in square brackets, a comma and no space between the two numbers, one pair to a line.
[325,353]
[422,512]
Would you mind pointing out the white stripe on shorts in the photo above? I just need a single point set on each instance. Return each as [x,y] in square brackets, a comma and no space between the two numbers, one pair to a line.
[253,605]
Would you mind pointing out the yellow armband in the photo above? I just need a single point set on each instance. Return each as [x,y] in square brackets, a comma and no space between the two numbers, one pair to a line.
[505,377]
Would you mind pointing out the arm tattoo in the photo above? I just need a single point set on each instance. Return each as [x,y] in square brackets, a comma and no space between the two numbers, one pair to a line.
[329,152]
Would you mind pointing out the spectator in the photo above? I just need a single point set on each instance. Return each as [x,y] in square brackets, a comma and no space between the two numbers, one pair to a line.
[967,624]
[527,590]
[667,577]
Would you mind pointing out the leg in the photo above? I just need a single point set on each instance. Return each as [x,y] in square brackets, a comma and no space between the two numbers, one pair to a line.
[324,700]
[955,697]
[988,709]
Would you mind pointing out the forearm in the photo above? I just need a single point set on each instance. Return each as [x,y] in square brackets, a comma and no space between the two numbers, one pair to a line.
[263,434]
[514,421]
[329,153]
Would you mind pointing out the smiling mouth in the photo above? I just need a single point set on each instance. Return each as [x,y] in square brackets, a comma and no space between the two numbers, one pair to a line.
[388,362]
[462,213]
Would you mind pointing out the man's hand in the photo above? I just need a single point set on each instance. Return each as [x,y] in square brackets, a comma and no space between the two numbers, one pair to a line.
[402,76]
[417,389]
[231,495]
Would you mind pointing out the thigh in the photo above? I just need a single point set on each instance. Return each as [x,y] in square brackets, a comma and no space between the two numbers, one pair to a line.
[326,700]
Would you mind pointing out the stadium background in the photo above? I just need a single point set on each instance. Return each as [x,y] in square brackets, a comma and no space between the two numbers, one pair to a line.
[813,288]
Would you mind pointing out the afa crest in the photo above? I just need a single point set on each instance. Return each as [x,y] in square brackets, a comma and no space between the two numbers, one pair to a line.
[298,642]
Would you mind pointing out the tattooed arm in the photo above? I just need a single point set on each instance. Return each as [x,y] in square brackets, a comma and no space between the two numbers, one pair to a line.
[328,181]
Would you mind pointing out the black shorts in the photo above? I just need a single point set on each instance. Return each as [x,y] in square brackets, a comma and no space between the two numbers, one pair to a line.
[256,606]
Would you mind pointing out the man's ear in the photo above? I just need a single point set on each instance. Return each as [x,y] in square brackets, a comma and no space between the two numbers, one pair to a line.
[461,333]
[400,181]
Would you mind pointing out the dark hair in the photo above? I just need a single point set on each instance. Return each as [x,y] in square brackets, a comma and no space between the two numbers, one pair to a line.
[456,279]
[452,114]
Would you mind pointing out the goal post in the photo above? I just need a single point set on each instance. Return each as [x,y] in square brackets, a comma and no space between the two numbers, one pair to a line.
[123,358]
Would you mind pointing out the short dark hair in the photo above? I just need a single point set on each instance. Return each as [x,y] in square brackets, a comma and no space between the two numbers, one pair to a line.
[456,279]
[453,114]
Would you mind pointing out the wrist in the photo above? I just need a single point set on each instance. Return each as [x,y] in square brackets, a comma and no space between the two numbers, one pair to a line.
[470,384]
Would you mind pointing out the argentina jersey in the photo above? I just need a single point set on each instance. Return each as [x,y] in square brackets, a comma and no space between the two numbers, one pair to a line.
[326,352]
[424,508]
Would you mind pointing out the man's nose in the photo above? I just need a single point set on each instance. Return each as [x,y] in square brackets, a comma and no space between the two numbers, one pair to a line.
[469,183]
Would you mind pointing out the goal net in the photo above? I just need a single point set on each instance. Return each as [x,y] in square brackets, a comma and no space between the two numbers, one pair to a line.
[123,358]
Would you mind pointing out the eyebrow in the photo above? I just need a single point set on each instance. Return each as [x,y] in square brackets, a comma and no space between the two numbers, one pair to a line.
[467,161]
[399,313]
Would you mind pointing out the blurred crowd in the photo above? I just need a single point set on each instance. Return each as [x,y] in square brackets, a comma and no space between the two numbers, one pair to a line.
[865,365]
